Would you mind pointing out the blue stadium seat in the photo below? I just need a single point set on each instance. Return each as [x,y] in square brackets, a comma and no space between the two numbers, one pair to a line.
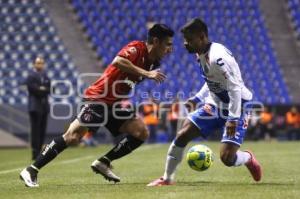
[237,24]
[26,32]
[294,12]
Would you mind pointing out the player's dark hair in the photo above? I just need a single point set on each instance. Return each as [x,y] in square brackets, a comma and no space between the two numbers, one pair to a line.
[196,25]
[160,31]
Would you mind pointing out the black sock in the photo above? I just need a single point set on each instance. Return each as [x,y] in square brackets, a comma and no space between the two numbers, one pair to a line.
[32,170]
[124,147]
[50,152]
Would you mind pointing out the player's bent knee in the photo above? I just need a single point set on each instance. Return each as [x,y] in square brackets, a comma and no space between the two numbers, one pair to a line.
[227,159]
[142,134]
[135,128]
[182,138]
[146,134]
[186,134]
[139,130]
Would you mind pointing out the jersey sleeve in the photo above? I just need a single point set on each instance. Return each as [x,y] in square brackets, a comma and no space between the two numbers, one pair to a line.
[232,86]
[130,52]
[203,92]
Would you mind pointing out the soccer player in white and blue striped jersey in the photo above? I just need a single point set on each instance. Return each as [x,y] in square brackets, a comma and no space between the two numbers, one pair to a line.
[223,100]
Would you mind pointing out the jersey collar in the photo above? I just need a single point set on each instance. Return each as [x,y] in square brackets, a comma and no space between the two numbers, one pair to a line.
[205,51]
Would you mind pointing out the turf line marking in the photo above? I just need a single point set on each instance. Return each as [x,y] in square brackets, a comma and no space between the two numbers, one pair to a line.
[58,163]
[73,160]
[144,148]
[10,170]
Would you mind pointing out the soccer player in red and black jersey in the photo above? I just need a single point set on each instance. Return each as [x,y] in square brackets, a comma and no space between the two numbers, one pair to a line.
[136,61]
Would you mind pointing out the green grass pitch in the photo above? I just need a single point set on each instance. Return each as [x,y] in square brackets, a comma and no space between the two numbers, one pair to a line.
[70,176]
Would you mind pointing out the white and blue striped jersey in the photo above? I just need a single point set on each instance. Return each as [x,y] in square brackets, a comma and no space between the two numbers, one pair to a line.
[224,86]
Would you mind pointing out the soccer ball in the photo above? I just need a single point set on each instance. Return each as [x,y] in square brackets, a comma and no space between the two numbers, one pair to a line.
[199,157]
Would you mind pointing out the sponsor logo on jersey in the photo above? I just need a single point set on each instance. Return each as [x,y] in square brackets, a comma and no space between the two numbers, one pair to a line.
[87,117]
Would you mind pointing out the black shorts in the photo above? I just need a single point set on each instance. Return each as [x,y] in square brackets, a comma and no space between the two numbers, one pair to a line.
[94,116]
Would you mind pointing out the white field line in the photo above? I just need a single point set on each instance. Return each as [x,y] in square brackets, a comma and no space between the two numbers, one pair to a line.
[69,161]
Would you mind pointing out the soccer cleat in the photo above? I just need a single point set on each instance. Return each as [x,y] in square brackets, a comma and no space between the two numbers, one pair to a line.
[29,177]
[160,182]
[254,167]
[105,170]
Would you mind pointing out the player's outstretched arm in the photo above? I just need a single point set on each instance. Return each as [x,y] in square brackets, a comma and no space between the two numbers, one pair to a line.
[127,66]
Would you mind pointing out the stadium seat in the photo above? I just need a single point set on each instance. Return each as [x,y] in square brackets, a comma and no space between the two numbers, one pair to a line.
[26,27]
[293,7]
[237,24]
[26,32]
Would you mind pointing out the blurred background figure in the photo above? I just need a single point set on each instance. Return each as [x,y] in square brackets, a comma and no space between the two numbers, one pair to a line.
[280,126]
[150,115]
[173,116]
[293,124]
[88,140]
[38,85]
[265,125]
[253,132]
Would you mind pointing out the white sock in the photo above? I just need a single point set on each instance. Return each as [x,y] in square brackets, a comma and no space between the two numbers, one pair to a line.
[174,157]
[32,166]
[242,158]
